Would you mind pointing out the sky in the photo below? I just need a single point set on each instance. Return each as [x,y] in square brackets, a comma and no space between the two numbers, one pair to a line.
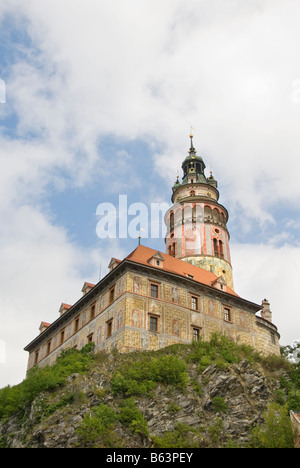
[96,102]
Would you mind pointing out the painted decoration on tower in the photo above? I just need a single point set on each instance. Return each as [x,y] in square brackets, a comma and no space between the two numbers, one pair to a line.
[192,238]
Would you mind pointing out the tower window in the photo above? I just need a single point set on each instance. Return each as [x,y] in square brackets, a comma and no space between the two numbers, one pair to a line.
[221,249]
[273,341]
[171,221]
[216,253]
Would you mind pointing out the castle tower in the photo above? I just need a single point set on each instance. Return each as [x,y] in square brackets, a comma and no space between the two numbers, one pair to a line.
[197,223]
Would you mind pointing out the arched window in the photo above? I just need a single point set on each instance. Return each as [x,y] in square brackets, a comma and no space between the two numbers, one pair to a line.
[216,253]
[216,215]
[172,221]
[221,250]
[207,213]
[173,249]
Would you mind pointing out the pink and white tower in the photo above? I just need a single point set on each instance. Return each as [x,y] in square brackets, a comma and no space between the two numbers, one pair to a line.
[197,223]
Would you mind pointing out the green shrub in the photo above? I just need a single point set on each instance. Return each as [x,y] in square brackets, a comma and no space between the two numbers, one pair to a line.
[131,416]
[173,408]
[96,429]
[219,404]
[276,432]
[141,376]
[17,398]
[221,351]
[183,436]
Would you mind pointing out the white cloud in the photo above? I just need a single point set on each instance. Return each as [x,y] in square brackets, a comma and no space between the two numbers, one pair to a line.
[266,271]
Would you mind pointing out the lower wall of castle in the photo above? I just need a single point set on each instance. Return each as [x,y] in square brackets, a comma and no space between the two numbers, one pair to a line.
[129,318]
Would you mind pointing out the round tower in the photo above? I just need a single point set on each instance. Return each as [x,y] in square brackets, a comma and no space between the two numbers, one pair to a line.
[197,223]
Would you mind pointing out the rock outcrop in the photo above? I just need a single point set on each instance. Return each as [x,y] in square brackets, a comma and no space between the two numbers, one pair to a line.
[218,406]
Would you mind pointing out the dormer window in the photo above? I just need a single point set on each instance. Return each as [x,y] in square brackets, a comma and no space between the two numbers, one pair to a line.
[157,260]
[189,276]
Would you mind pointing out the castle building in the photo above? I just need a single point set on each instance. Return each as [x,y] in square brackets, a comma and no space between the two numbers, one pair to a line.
[152,299]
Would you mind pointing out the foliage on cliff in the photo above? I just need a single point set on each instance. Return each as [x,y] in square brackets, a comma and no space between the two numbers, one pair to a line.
[207,394]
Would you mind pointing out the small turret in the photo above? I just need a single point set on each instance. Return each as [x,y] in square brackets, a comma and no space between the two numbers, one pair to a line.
[266,311]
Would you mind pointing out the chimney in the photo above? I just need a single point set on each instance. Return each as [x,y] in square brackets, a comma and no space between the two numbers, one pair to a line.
[265,310]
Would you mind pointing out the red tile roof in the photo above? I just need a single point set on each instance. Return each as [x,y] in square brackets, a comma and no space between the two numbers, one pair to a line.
[171,264]
[65,306]
[45,324]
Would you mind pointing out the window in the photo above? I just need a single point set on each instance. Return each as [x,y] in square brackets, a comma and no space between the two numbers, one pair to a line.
[171,221]
[76,326]
[157,262]
[90,338]
[62,336]
[196,334]
[36,357]
[154,290]
[93,309]
[109,328]
[153,324]
[227,314]
[49,347]
[273,341]
[111,295]
[194,301]
[221,249]
[216,253]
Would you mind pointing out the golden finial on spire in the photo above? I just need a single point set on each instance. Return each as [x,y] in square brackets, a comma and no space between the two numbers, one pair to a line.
[192,149]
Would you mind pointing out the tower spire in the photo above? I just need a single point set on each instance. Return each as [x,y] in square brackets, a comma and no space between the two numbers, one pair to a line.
[192,149]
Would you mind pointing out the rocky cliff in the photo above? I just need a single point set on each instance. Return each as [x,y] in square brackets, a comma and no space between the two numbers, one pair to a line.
[177,397]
